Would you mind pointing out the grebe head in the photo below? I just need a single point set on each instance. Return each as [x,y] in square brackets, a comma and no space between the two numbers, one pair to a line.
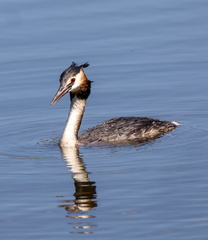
[73,80]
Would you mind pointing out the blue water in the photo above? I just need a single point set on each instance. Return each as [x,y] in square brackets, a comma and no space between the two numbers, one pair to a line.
[148,58]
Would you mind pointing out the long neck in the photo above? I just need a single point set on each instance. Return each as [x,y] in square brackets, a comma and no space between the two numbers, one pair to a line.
[70,133]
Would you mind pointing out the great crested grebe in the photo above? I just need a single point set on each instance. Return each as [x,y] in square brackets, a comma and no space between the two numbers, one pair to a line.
[115,131]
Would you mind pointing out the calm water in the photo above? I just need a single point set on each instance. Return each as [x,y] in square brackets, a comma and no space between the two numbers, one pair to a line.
[148,58]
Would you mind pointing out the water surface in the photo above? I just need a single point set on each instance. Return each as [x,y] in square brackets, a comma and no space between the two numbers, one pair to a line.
[147,59]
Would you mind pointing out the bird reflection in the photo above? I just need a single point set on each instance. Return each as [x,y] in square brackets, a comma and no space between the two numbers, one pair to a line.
[85,190]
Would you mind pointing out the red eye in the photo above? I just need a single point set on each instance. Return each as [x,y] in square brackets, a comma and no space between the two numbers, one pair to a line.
[72,80]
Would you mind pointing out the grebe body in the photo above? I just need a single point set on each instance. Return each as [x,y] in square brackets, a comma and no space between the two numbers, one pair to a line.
[117,130]
[127,129]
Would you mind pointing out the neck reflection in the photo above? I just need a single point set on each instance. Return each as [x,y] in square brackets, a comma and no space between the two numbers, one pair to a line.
[85,190]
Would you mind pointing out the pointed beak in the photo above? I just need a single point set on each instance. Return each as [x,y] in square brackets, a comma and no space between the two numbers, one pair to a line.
[61,92]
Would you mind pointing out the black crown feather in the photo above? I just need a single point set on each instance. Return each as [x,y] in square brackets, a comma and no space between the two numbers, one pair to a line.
[73,70]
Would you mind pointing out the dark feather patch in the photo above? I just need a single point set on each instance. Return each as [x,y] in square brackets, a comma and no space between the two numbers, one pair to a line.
[71,71]
[84,93]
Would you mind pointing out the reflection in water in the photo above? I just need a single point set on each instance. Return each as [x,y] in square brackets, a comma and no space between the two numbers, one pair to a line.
[85,190]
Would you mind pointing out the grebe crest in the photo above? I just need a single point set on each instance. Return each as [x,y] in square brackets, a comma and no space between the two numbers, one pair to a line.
[117,130]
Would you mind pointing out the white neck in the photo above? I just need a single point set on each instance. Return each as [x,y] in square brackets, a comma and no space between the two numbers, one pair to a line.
[70,133]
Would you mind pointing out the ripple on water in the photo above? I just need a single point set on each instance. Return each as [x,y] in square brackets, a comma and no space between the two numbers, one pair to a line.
[27,140]
[34,139]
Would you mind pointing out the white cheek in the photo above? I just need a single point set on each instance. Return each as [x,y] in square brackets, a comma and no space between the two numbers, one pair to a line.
[77,83]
